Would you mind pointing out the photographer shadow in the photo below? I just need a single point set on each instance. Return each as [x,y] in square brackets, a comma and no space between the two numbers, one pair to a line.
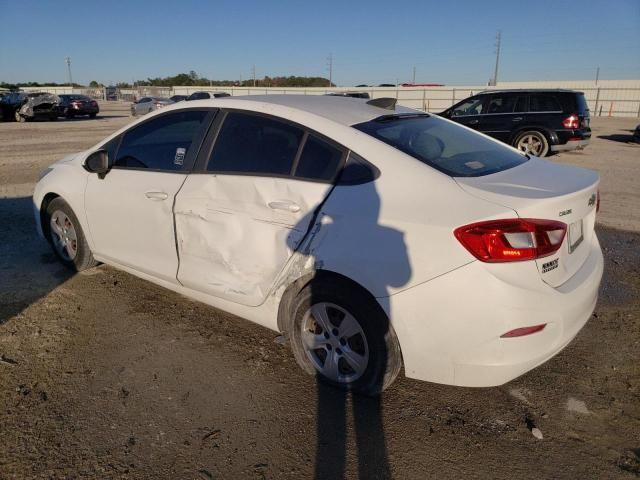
[355,230]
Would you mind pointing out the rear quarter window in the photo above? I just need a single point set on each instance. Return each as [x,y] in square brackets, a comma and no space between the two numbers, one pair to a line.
[445,146]
[544,102]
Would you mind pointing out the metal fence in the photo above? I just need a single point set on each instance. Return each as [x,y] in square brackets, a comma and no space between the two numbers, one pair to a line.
[612,98]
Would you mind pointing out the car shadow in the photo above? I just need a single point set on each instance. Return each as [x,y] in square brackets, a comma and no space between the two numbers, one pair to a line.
[29,269]
[618,138]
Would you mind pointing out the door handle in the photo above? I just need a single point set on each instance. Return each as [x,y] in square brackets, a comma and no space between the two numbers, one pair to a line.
[285,205]
[157,196]
[517,119]
[474,122]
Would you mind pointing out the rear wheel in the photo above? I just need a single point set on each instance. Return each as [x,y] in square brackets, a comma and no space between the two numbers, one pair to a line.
[341,335]
[66,237]
[533,142]
[92,115]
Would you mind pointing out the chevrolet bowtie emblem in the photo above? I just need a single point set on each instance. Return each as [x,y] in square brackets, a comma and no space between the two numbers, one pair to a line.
[592,200]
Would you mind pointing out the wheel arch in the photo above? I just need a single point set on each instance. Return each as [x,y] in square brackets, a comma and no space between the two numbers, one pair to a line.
[549,134]
[46,200]
[290,293]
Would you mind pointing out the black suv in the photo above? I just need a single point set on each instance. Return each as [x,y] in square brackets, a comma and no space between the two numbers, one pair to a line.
[534,121]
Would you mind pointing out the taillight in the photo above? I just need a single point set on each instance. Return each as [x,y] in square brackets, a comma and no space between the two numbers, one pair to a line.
[571,121]
[512,240]
[158,105]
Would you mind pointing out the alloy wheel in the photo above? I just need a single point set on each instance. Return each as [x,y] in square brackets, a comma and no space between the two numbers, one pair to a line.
[335,342]
[63,235]
[531,144]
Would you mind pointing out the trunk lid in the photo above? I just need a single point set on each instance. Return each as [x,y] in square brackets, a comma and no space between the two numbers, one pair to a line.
[546,190]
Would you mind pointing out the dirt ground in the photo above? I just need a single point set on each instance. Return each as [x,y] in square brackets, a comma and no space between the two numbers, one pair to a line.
[103,375]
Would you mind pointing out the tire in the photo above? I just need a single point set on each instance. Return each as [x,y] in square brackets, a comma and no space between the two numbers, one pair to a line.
[61,221]
[53,118]
[532,141]
[92,115]
[367,358]
[69,115]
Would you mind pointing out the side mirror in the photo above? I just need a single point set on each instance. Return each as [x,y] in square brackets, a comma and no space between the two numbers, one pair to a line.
[98,162]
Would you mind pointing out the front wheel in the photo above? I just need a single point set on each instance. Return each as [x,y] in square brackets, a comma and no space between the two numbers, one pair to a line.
[533,142]
[66,237]
[341,335]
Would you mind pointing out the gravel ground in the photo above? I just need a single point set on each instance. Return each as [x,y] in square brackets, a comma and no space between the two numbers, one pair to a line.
[103,375]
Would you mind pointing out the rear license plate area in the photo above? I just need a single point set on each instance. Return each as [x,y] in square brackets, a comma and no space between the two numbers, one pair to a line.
[575,235]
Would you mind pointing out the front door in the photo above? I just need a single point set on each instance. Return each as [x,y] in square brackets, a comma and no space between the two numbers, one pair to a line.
[469,112]
[130,210]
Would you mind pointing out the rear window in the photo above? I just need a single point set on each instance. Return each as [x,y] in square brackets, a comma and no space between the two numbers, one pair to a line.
[445,146]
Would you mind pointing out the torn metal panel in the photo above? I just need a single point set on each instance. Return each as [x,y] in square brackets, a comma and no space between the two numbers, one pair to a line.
[236,233]
[42,103]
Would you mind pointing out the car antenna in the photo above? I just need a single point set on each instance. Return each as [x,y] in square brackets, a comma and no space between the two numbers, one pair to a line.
[386,103]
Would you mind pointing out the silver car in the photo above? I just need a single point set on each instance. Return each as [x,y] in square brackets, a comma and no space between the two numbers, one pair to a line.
[149,104]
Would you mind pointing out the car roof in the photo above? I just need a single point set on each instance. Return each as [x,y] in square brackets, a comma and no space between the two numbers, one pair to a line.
[526,90]
[345,110]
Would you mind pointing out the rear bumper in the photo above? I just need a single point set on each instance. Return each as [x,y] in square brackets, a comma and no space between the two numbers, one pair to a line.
[449,328]
[570,145]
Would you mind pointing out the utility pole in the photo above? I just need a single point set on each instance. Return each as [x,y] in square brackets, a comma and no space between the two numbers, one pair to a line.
[253,74]
[330,65]
[68,62]
[498,44]
[414,75]
[597,74]
[240,84]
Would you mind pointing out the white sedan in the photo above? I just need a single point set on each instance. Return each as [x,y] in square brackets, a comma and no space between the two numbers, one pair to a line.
[373,236]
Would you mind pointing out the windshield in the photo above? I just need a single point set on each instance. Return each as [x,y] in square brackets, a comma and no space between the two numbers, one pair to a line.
[445,146]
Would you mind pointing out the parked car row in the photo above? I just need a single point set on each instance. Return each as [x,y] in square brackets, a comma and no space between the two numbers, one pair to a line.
[149,104]
[23,106]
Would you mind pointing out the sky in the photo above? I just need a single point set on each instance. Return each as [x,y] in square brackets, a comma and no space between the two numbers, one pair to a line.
[447,41]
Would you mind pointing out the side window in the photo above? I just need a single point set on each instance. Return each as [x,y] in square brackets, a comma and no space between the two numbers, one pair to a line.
[521,104]
[357,171]
[319,160]
[112,147]
[473,106]
[501,104]
[539,102]
[162,143]
[144,100]
[254,144]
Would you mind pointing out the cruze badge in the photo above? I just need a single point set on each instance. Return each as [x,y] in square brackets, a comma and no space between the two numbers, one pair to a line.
[592,200]
[564,212]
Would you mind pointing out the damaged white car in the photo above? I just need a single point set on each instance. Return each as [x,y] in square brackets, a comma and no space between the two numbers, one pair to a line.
[374,236]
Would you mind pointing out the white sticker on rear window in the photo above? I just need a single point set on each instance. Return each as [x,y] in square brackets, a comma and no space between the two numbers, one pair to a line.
[475,165]
[180,154]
